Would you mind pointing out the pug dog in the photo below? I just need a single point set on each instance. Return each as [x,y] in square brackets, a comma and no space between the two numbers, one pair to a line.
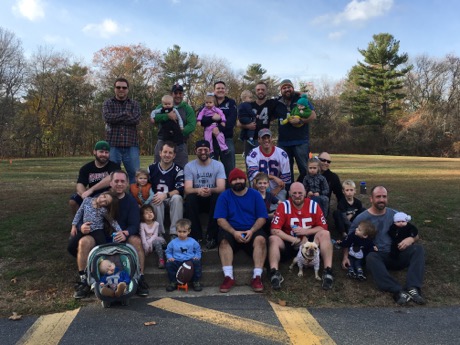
[307,256]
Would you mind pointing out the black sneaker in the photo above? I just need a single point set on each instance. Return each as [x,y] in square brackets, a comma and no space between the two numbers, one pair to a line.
[276,280]
[401,298]
[361,276]
[351,273]
[197,286]
[328,279]
[171,287]
[142,287]
[415,296]
[81,290]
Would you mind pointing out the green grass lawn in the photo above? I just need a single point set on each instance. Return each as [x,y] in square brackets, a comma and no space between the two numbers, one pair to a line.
[37,274]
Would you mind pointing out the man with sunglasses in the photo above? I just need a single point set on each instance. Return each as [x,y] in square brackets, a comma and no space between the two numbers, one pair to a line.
[333,179]
[122,116]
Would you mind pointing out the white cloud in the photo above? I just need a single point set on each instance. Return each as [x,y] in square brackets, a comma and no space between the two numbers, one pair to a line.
[364,10]
[106,29]
[335,35]
[358,11]
[31,9]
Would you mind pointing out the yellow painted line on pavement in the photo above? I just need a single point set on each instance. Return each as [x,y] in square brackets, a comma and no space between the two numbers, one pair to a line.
[301,326]
[48,329]
[222,319]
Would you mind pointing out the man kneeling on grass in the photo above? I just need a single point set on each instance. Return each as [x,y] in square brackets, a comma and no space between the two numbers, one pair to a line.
[411,254]
[295,220]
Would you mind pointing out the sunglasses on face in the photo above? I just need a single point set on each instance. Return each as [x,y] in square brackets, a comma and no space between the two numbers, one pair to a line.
[121,87]
[325,160]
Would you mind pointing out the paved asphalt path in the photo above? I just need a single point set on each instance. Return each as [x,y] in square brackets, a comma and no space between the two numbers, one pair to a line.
[125,325]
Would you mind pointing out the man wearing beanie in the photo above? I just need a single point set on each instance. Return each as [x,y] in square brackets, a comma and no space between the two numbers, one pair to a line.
[241,215]
[294,136]
[411,254]
[204,181]
[94,177]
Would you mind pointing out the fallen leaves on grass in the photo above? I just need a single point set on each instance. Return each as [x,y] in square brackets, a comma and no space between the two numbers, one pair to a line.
[31,292]
[14,280]
[282,302]
[15,316]
[150,323]
[427,221]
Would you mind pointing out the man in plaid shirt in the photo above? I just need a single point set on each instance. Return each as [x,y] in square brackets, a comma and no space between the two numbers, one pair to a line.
[122,115]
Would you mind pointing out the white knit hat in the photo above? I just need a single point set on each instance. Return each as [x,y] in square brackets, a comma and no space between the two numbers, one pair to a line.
[401,217]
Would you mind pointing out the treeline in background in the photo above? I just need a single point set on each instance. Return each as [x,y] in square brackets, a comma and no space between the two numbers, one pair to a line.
[389,103]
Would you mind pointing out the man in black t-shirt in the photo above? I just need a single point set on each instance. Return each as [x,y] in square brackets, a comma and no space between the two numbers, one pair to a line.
[265,110]
[94,177]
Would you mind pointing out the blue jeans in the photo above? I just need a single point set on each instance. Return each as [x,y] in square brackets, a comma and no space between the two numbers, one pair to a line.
[130,158]
[300,153]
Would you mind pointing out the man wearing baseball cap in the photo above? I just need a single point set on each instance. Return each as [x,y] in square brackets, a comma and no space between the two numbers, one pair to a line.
[273,161]
[94,177]
[187,114]
[204,181]
[294,136]
[241,215]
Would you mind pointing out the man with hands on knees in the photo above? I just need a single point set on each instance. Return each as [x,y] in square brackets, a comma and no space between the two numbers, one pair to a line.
[241,215]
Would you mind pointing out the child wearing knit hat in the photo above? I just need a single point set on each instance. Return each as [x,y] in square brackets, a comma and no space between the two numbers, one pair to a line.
[302,110]
[400,230]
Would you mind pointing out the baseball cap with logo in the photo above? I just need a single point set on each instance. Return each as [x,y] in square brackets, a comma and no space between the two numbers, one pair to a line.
[265,131]
[102,145]
[202,143]
[177,88]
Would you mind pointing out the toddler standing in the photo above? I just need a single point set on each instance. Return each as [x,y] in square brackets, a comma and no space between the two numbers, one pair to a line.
[150,237]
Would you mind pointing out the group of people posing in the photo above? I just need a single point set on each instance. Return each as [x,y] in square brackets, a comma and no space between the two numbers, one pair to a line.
[264,211]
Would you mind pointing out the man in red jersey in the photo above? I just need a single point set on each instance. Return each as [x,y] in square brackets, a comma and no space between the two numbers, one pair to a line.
[295,220]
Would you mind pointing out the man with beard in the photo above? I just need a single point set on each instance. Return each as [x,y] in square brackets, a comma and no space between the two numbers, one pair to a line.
[204,181]
[411,254]
[295,220]
[241,215]
[129,219]
[167,180]
[265,110]
[294,136]
[122,116]
[94,177]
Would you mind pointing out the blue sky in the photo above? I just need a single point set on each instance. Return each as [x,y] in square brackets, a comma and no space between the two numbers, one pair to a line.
[304,40]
